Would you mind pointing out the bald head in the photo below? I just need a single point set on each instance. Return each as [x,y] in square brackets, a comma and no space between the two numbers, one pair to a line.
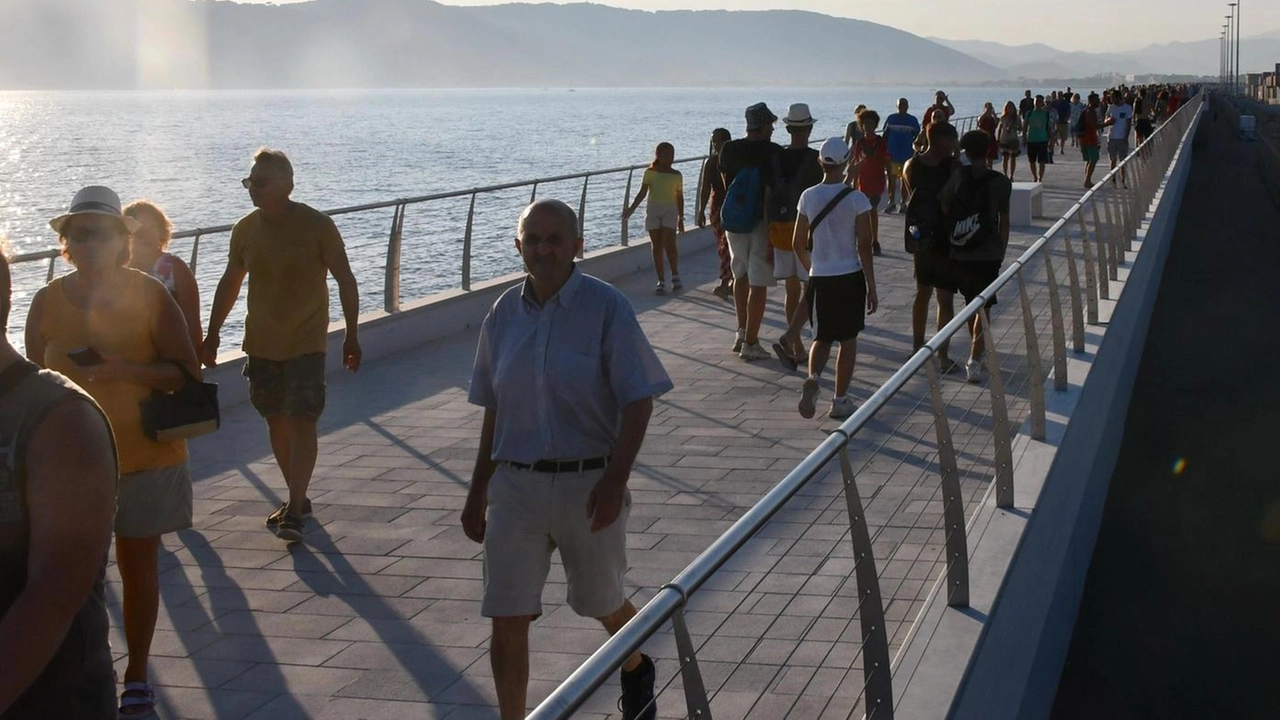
[568,218]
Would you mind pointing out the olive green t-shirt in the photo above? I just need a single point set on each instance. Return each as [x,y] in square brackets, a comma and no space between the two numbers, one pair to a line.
[288,264]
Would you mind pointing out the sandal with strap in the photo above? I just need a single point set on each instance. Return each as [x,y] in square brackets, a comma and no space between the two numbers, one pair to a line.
[138,702]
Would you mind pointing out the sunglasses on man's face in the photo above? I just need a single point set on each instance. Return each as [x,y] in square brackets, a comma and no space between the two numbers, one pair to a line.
[257,183]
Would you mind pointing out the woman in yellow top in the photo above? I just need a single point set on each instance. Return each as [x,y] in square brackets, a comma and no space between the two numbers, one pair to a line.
[664,215]
[118,334]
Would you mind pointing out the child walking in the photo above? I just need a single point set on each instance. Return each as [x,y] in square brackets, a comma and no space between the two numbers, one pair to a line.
[833,242]
[870,168]
[664,215]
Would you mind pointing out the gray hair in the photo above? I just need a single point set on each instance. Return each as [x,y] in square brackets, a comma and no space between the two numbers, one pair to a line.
[566,213]
[275,160]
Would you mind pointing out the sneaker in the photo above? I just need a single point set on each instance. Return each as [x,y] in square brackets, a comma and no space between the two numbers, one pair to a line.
[675,283]
[808,398]
[841,407]
[638,701]
[723,291]
[752,352]
[290,529]
[973,371]
[660,288]
[274,518]
[738,340]
[787,359]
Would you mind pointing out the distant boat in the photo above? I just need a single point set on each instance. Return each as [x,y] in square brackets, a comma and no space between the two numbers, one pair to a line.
[572,90]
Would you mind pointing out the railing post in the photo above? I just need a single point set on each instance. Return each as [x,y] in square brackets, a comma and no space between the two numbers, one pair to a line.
[195,251]
[1100,242]
[956,542]
[1073,278]
[466,245]
[1090,279]
[626,203]
[999,416]
[876,677]
[533,194]
[391,276]
[1113,237]
[48,276]
[1055,316]
[1035,370]
[582,215]
[695,691]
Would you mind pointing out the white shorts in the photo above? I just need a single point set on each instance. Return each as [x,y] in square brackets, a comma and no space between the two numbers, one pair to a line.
[661,215]
[749,255]
[786,265]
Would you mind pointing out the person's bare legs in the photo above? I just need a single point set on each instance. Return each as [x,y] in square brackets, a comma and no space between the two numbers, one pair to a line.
[614,622]
[977,346]
[137,559]
[1041,178]
[294,443]
[819,353]
[875,228]
[846,358]
[790,339]
[795,292]
[656,246]
[893,189]
[1013,166]
[757,297]
[673,253]
[946,312]
[741,295]
[509,658]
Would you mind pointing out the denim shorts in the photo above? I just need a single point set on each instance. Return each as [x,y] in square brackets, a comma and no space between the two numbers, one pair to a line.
[293,387]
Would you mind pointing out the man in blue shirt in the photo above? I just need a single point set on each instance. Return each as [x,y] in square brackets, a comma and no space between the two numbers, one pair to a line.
[567,380]
[901,130]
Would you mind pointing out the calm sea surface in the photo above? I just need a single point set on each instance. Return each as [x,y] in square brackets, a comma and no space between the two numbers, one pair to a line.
[188,152]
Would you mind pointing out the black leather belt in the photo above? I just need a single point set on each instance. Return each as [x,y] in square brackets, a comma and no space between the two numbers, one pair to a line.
[562,466]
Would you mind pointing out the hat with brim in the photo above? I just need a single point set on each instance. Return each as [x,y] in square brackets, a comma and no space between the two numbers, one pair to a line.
[798,116]
[759,116]
[95,200]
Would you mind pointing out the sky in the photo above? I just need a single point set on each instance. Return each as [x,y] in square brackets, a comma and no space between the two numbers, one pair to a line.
[1086,25]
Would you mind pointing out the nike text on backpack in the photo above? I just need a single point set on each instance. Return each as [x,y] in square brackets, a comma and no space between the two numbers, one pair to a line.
[826,210]
[972,220]
[743,202]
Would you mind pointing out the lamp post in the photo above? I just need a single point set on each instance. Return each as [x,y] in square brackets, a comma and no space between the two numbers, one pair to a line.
[1230,38]
[1234,20]
[1239,7]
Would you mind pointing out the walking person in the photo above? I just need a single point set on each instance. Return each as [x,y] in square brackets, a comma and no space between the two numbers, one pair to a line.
[795,169]
[1077,109]
[567,381]
[663,185]
[901,130]
[1119,120]
[870,170]
[976,204]
[989,123]
[286,249]
[924,177]
[149,252]
[710,197]
[1088,131]
[118,334]
[1063,107]
[1037,134]
[836,220]
[1009,134]
[746,165]
[853,131]
[57,503]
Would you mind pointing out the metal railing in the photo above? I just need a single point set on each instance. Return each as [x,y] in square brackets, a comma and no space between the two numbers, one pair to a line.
[1105,221]
[394,268]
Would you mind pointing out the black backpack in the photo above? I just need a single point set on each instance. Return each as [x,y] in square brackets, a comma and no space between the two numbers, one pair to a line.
[972,220]
[785,193]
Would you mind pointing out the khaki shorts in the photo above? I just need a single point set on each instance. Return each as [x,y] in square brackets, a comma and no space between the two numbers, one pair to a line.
[531,514]
[786,265]
[153,502]
[750,256]
[658,216]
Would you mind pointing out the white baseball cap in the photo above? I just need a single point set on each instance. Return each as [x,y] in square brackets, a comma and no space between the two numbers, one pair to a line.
[834,152]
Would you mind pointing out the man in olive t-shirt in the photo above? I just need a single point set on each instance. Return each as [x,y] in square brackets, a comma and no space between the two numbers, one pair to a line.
[287,250]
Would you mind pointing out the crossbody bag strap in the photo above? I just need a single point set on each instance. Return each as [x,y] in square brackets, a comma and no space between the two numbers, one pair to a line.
[822,214]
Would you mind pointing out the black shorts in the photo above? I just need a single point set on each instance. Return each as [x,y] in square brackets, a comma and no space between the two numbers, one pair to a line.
[934,267]
[293,387]
[1038,152]
[840,306]
[974,277]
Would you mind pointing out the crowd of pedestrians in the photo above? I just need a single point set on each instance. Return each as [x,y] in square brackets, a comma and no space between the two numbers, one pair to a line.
[564,373]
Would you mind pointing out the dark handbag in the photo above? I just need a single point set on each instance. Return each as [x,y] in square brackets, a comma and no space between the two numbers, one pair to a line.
[188,412]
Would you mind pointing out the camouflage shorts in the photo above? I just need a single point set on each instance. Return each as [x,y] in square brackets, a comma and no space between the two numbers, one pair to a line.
[292,387]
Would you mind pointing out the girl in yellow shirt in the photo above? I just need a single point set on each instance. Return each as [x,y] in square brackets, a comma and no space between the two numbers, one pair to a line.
[664,215]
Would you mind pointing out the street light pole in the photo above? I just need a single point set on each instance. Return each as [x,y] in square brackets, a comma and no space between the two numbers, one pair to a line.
[1230,39]
[1239,7]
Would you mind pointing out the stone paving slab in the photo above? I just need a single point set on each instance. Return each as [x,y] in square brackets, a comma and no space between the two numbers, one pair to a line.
[376,615]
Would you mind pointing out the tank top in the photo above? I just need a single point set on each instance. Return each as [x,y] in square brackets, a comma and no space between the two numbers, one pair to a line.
[162,270]
[122,331]
[77,683]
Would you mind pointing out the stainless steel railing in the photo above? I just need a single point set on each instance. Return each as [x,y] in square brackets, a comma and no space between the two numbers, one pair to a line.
[1107,218]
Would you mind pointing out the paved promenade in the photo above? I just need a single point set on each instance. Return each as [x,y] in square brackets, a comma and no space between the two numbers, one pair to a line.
[376,615]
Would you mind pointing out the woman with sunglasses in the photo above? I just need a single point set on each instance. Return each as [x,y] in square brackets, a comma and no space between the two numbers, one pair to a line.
[118,334]
[148,252]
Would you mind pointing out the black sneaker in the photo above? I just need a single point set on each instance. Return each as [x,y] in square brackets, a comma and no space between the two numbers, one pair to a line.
[637,701]
[274,518]
[290,529]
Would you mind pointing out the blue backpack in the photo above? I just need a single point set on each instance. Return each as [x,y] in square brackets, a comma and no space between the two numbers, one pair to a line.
[743,202]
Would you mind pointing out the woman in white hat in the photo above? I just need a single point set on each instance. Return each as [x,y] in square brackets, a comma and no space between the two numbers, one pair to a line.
[118,334]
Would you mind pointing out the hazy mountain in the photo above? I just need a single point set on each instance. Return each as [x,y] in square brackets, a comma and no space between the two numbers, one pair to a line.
[1257,53]
[417,43]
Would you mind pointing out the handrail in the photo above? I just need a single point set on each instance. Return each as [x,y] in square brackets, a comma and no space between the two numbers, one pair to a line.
[668,603]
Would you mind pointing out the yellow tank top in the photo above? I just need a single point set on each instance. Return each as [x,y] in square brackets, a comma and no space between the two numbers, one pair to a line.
[122,332]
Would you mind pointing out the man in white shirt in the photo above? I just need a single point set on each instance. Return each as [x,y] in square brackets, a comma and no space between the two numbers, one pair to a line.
[833,242]
[1120,120]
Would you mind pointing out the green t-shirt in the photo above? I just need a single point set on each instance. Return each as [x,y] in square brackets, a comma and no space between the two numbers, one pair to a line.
[1038,126]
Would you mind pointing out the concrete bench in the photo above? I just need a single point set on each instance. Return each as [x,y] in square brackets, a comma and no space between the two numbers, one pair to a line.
[1026,202]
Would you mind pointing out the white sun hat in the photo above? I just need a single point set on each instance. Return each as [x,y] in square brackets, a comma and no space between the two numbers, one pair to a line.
[95,200]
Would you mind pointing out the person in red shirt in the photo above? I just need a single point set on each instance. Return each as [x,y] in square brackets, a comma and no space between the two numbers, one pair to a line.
[870,169]
[1089,147]
[989,123]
